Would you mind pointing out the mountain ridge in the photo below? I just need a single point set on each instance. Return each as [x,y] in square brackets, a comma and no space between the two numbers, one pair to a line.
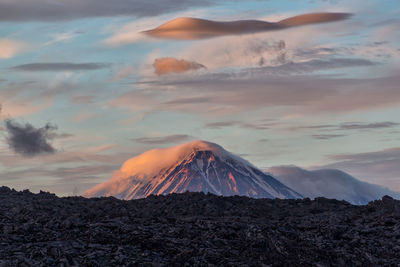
[330,183]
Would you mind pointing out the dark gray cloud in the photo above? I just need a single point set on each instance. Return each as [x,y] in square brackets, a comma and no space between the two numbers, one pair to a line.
[60,66]
[44,10]
[313,127]
[327,136]
[221,124]
[175,138]
[26,140]
[360,125]
[258,125]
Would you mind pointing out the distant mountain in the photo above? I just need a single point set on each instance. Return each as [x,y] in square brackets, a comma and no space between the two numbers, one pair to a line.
[198,166]
[330,183]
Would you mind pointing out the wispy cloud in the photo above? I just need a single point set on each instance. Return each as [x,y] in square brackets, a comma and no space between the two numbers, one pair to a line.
[360,125]
[261,125]
[348,126]
[327,136]
[168,139]
[60,66]
[222,94]
[63,37]
[221,124]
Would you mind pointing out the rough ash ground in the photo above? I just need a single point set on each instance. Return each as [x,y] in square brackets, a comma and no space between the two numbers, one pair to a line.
[195,229]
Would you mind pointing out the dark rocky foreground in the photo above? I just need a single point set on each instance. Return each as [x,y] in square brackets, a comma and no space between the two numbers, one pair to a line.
[195,229]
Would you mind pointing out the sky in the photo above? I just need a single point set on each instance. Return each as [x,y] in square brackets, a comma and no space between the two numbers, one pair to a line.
[83,89]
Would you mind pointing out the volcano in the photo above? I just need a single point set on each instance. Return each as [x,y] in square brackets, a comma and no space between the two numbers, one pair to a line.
[198,166]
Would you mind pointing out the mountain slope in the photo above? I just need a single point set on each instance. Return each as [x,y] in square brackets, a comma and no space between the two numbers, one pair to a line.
[330,183]
[196,167]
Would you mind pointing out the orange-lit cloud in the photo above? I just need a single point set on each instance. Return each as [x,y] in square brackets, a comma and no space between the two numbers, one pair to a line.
[193,28]
[169,65]
[9,48]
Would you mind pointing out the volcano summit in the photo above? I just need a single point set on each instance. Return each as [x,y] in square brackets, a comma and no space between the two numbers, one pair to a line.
[198,166]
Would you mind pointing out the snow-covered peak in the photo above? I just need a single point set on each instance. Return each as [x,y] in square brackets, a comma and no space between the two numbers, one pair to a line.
[152,162]
[198,166]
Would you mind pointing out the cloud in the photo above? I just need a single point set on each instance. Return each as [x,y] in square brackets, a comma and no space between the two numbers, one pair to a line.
[43,10]
[392,153]
[291,45]
[376,125]
[323,127]
[63,37]
[221,124]
[345,126]
[123,73]
[313,65]
[169,65]
[330,183]
[327,136]
[27,140]
[60,66]
[176,138]
[193,28]
[263,125]
[10,48]
[217,94]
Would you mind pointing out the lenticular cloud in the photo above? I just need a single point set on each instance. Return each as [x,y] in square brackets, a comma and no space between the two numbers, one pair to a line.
[194,28]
